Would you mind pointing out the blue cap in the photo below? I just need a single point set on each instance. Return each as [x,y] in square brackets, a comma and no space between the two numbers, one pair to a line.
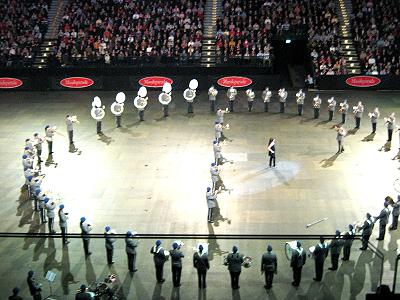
[214,142]
[298,244]
[61,206]
[30,178]
[351,227]
[213,164]
[24,156]
[201,248]
[26,148]
[337,232]
[83,219]
[216,122]
[47,126]
[175,245]
[108,228]
[208,189]
[269,248]
[46,200]
[158,243]
[129,233]
[37,191]
[234,249]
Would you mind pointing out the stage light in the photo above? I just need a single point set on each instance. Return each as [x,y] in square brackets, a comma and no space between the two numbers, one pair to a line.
[288,41]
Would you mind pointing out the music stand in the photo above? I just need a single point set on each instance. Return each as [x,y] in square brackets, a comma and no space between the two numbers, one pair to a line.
[50,276]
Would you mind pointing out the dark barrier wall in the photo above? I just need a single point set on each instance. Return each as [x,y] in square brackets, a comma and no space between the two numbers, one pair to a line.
[338,82]
[127,78]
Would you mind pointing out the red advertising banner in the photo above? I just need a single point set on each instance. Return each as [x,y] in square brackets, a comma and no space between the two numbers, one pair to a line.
[363,81]
[76,82]
[155,81]
[10,83]
[235,81]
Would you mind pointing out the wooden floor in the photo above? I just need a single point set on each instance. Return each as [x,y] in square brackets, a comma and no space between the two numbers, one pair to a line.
[151,177]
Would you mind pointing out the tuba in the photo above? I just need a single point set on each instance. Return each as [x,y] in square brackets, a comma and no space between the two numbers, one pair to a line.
[164,98]
[97,113]
[189,95]
[231,94]
[139,102]
[117,108]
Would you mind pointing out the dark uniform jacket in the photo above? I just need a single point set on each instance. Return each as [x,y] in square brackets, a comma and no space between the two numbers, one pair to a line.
[83,296]
[34,286]
[176,258]
[336,245]
[383,216]
[131,245]
[109,241]
[235,261]
[396,209]
[367,227]
[158,255]
[200,261]
[269,262]
[348,238]
[298,258]
[320,252]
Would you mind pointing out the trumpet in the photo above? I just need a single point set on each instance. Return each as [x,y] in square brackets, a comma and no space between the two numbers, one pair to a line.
[213,92]
[75,119]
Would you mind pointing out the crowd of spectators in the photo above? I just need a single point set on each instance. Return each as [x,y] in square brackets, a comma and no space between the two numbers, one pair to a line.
[376,33]
[23,25]
[127,32]
[324,38]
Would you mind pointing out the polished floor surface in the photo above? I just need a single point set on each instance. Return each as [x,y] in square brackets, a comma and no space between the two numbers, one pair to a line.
[151,177]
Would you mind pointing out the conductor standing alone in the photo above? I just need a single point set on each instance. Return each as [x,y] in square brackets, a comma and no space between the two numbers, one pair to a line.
[271,151]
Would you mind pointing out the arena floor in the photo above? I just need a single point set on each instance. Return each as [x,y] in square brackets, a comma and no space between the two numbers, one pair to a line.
[151,177]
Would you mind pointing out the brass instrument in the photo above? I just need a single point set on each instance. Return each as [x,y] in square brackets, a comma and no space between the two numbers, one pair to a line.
[267,95]
[117,108]
[75,119]
[231,93]
[250,95]
[212,92]
[189,95]
[97,113]
[140,102]
[164,98]
[283,95]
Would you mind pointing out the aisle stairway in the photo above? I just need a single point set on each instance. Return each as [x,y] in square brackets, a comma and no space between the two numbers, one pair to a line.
[349,51]
[50,39]
[212,8]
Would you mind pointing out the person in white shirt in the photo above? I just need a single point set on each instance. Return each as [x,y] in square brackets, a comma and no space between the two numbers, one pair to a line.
[69,121]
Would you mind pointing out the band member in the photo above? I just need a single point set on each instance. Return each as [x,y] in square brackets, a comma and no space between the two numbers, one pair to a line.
[176,264]
[331,107]
[130,248]
[201,263]
[297,262]
[38,145]
[320,254]
[282,99]
[109,243]
[383,218]
[97,112]
[348,242]
[35,288]
[374,118]
[220,116]
[231,94]
[250,99]
[358,111]
[49,132]
[190,93]
[395,213]
[219,159]
[118,107]
[212,96]
[341,133]
[85,232]
[165,97]
[390,121]
[335,247]
[159,258]
[63,217]
[366,231]
[235,260]
[266,95]
[269,266]
[317,106]
[300,96]
[216,178]
[344,107]
[50,206]
[70,121]
[140,102]
[219,135]
[271,151]
[211,197]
